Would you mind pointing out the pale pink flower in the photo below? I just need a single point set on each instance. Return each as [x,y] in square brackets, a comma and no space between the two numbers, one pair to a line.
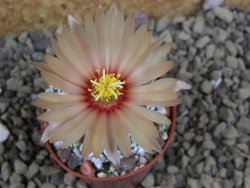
[105,69]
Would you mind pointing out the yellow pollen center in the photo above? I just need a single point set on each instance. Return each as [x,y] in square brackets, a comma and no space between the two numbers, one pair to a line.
[107,87]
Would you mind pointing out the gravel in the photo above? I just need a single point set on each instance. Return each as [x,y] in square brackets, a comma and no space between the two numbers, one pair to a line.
[211,144]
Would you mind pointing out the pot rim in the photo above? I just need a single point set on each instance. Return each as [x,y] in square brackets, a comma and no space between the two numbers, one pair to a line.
[138,171]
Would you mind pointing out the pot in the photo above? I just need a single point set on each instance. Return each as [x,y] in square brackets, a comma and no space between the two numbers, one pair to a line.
[130,180]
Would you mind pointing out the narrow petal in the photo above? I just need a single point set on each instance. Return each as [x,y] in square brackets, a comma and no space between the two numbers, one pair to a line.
[96,137]
[60,83]
[158,85]
[67,126]
[162,95]
[57,98]
[140,58]
[156,103]
[65,73]
[51,105]
[149,114]
[80,130]
[180,85]
[70,48]
[99,138]
[91,38]
[63,60]
[151,72]
[48,130]
[42,67]
[141,129]
[120,136]
[62,114]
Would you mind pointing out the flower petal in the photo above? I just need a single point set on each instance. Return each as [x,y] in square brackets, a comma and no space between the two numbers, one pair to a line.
[161,84]
[59,98]
[162,95]
[91,38]
[141,129]
[51,105]
[96,137]
[42,67]
[72,51]
[149,114]
[80,130]
[151,72]
[157,103]
[60,83]
[64,72]
[48,130]
[120,136]
[62,114]
[67,126]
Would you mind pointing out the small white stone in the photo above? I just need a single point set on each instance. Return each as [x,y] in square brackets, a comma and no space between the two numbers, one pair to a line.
[162,110]
[141,165]
[140,151]
[97,162]
[101,175]
[164,136]
[4,133]
[58,144]
[143,160]
[216,83]
[111,168]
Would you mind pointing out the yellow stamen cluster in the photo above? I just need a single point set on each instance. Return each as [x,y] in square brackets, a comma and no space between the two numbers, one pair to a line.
[107,87]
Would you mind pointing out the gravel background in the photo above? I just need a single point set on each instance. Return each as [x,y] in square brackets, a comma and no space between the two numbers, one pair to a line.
[211,144]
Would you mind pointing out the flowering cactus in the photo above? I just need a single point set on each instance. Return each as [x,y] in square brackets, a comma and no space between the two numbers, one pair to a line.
[105,71]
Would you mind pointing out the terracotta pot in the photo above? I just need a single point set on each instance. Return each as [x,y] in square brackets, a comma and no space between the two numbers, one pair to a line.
[130,180]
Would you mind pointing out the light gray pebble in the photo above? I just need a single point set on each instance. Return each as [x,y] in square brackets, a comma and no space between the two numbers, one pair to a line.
[219,129]
[231,132]
[210,49]
[232,62]
[202,42]
[244,93]
[209,144]
[171,169]
[151,24]
[227,115]
[184,36]
[5,171]
[247,181]
[20,167]
[48,185]
[69,178]
[14,84]
[206,181]
[17,185]
[31,184]
[229,183]
[244,124]
[162,24]
[32,170]
[1,148]
[193,183]
[223,13]
[231,48]
[167,36]
[15,178]
[23,37]
[206,87]
[21,145]
[81,184]
[149,181]
[199,25]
